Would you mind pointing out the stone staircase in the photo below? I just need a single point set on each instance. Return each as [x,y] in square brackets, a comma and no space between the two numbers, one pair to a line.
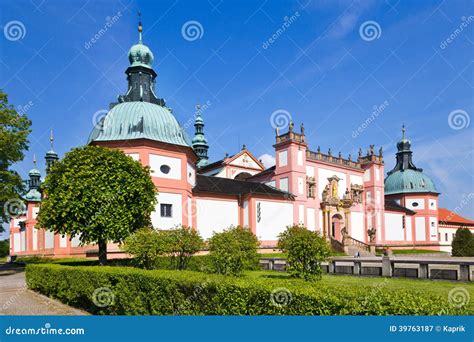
[351,246]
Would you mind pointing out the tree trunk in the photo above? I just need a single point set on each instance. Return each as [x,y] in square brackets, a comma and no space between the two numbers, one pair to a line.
[102,252]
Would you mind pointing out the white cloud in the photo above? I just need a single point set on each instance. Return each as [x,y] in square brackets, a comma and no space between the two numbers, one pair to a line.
[349,18]
[267,160]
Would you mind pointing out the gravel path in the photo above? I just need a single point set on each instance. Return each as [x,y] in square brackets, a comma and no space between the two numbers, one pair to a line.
[16,299]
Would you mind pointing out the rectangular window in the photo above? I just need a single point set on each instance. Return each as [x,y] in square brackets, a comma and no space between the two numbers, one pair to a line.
[445,236]
[283,158]
[166,210]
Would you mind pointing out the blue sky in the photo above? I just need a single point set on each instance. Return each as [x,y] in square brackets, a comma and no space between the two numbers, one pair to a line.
[320,66]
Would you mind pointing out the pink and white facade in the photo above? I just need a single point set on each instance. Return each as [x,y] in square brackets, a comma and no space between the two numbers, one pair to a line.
[344,199]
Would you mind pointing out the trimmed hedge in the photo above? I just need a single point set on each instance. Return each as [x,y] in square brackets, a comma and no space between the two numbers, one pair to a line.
[164,292]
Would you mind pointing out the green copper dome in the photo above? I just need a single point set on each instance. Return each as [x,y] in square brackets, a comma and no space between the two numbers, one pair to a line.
[140,55]
[408,181]
[140,120]
[34,172]
[33,195]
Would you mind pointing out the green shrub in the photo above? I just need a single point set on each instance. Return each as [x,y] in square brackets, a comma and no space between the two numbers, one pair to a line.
[147,245]
[183,243]
[463,243]
[233,251]
[131,291]
[306,251]
[4,248]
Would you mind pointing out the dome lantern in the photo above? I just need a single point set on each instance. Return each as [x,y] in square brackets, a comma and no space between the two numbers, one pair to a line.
[405,177]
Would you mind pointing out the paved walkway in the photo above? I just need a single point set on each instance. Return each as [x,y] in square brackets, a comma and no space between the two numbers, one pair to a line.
[16,299]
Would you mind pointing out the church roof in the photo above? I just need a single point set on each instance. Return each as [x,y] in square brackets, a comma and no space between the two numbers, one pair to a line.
[140,120]
[229,159]
[405,177]
[229,186]
[448,216]
[408,181]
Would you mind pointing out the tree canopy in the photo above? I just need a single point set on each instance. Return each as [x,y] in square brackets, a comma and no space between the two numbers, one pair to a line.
[14,130]
[99,194]
[463,243]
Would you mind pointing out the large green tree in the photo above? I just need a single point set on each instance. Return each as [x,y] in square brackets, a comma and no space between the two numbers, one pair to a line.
[463,243]
[99,194]
[14,130]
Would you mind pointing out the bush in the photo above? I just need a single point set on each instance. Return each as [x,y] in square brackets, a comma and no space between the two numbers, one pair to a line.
[4,248]
[463,243]
[147,245]
[183,243]
[306,251]
[233,250]
[128,291]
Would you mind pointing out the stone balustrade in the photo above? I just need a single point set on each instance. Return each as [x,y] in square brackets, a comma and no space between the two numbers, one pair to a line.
[460,269]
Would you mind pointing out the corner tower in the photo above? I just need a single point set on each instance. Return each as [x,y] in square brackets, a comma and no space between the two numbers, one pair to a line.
[51,156]
[411,188]
[200,145]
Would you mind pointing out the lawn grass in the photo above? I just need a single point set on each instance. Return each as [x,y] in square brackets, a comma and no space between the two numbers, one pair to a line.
[438,287]
[416,251]
[410,251]
[283,255]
